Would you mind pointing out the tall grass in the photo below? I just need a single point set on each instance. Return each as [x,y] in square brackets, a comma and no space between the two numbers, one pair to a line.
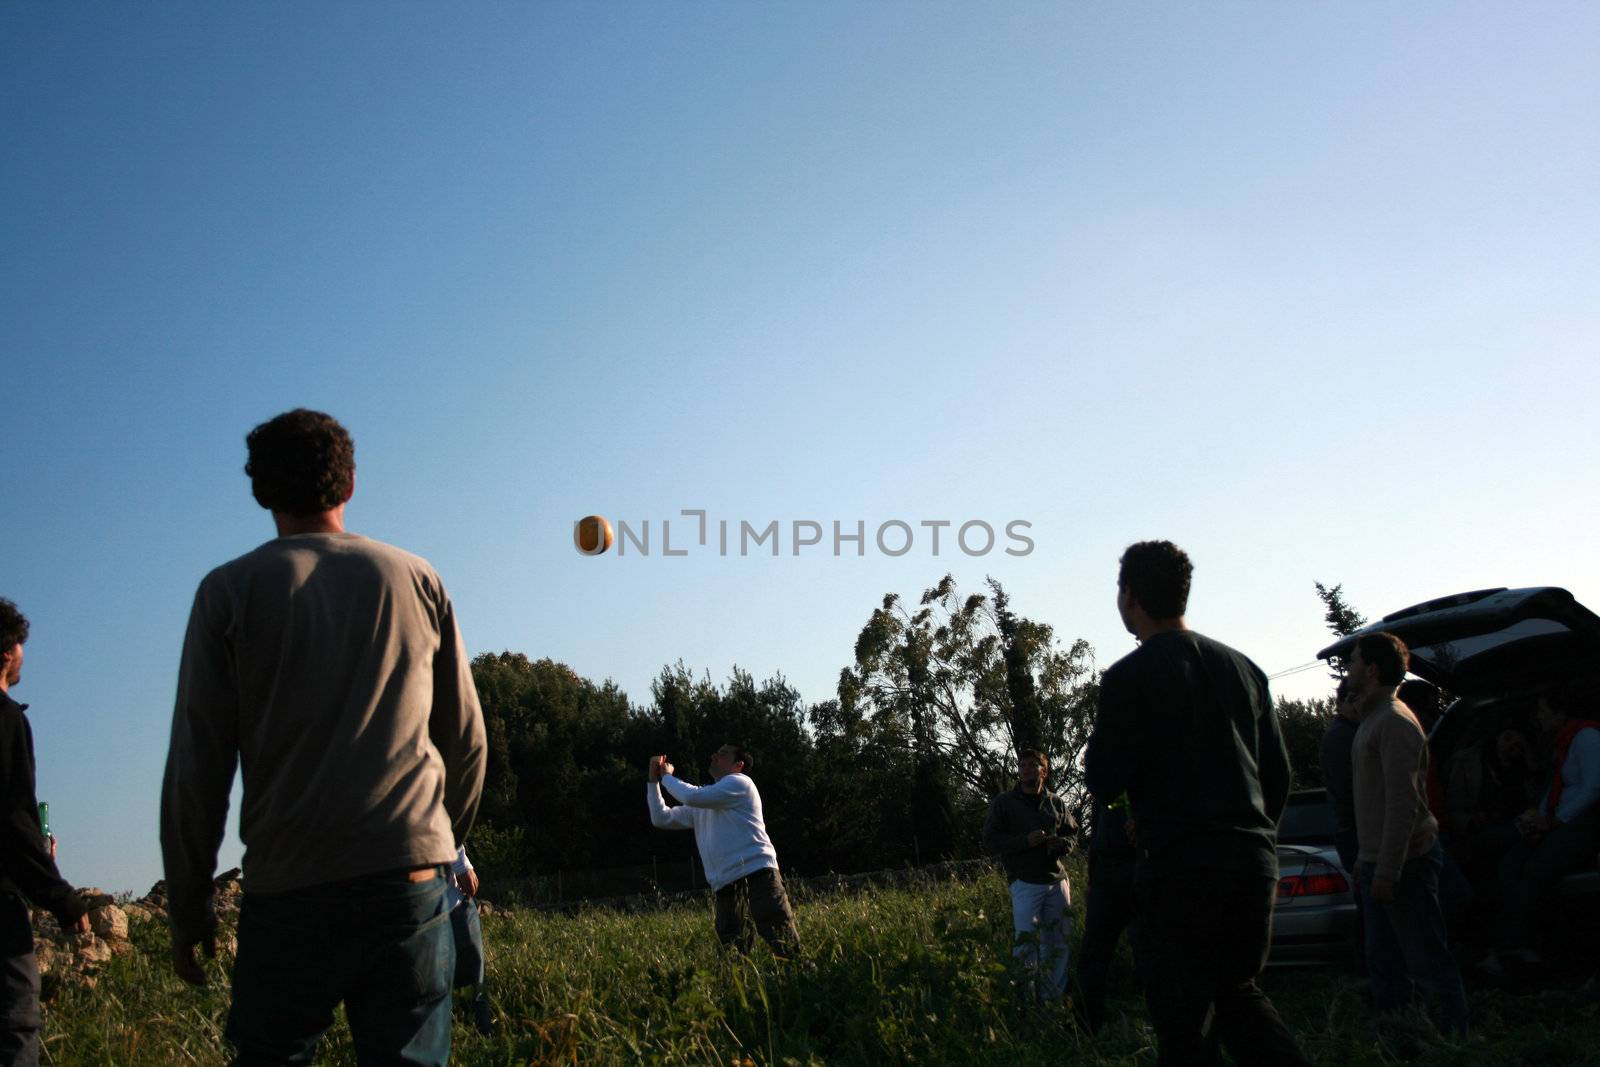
[916,975]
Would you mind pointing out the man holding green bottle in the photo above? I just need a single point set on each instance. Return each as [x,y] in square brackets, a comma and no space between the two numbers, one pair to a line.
[27,861]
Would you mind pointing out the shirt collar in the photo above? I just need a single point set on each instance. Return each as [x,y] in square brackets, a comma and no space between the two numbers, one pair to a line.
[1381,697]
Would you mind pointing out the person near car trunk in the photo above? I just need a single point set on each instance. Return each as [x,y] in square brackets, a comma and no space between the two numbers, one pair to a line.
[1562,834]
[1338,774]
[1187,729]
[1399,857]
[1492,783]
[1032,831]
[1455,889]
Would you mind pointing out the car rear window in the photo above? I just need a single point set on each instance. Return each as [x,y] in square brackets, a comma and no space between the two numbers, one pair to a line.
[1307,824]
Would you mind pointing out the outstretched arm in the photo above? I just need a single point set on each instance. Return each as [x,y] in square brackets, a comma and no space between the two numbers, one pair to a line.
[724,794]
[663,817]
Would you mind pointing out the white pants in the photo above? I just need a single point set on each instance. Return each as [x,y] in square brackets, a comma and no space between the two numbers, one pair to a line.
[1041,918]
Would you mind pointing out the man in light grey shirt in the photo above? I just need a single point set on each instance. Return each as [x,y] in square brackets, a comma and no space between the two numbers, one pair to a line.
[330,667]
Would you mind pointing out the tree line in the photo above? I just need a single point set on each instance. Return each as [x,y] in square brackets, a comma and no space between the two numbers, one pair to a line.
[896,768]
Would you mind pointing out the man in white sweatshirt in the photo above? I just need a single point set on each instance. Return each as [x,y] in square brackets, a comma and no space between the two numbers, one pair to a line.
[739,860]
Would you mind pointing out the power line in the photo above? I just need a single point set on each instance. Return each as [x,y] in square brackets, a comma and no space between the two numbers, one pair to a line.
[1295,670]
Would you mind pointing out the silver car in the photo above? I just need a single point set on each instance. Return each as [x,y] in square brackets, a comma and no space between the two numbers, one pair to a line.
[1314,919]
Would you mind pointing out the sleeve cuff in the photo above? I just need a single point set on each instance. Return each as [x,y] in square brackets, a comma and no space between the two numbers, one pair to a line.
[192,924]
[69,910]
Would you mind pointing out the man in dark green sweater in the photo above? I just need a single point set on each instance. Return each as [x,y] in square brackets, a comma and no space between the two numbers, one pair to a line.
[1031,830]
[1187,730]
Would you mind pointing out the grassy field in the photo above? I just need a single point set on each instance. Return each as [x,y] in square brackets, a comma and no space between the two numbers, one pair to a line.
[916,975]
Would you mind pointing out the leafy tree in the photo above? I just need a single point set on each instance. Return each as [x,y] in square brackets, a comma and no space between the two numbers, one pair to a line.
[1303,723]
[691,717]
[1341,618]
[898,769]
[557,757]
[968,682]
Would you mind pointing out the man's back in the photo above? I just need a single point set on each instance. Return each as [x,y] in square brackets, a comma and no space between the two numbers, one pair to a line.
[333,664]
[1188,731]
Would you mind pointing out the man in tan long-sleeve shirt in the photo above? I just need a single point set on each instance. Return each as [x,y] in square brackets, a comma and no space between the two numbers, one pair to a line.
[1398,853]
[331,668]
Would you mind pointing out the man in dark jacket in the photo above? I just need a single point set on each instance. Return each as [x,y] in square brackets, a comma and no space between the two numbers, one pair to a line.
[27,869]
[1032,831]
[1338,774]
[1187,731]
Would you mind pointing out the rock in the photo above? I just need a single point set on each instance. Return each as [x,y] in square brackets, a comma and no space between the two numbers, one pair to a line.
[121,948]
[96,898]
[109,922]
[93,951]
[45,955]
[137,913]
[485,909]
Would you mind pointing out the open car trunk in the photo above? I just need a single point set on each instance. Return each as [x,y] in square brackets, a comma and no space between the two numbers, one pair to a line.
[1492,640]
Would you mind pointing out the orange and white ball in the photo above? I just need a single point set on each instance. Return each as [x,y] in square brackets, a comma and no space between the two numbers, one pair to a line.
[592,535]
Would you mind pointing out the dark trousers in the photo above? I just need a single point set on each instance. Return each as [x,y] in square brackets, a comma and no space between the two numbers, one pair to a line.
[381,945]
[1407,946]
[1203,937]
[1111,909]
[1531,870]
[759,896]
[1481,852]
[19,985]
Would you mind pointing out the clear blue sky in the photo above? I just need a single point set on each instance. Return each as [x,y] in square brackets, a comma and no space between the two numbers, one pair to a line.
[1309,290]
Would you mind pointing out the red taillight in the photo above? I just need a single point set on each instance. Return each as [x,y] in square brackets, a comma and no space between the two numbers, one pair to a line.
[1319,884]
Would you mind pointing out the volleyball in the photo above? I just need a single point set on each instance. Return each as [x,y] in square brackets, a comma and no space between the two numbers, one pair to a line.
[592,535]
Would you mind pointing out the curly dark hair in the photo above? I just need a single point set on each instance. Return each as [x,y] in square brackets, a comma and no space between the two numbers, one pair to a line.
[301,463]
[13,626]
[1157,574]
[1386,652]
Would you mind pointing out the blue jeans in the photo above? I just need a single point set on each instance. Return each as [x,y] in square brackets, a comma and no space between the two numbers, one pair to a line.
[1041,922]
[381,944]
[1407,946]
[468,933]
[19,985]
